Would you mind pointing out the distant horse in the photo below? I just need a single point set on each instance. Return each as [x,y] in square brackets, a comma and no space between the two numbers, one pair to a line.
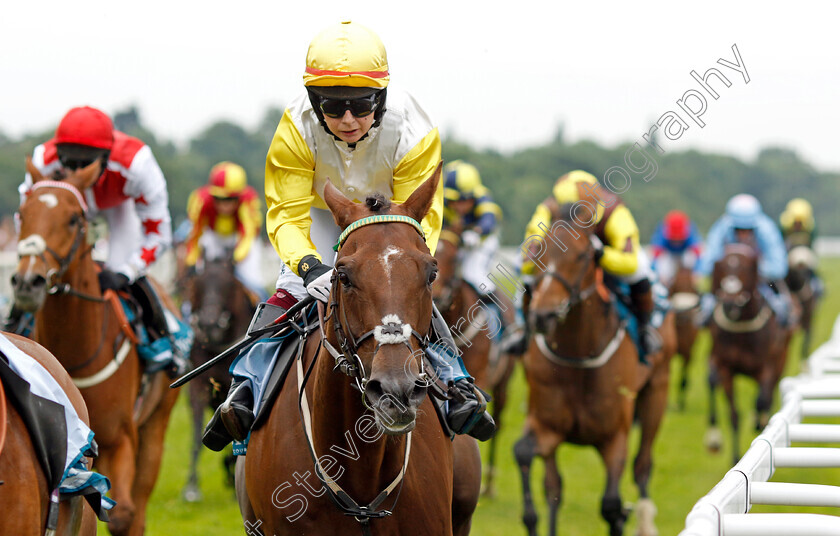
[585,380]
[413,480]
[801,265]
[221,310]
[24,490]
[685,301]
[474,333]
[746,339]
[56,279]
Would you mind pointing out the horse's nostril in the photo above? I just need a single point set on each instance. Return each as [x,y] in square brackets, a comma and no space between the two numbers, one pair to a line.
[373,391]
[38,282]
[15,280]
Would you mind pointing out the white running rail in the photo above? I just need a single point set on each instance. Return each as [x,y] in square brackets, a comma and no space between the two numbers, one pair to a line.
[725,510]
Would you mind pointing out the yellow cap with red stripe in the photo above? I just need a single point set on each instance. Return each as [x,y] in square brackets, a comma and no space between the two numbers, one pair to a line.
[347,54]
[227,180]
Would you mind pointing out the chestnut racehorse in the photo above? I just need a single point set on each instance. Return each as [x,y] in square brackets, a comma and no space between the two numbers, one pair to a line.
[746,339]
[685,302]
[56,279]
[221,311]
[475,334]
[24,490]
[394,468]
[585,380]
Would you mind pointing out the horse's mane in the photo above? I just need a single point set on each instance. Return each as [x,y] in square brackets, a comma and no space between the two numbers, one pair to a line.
[378,203]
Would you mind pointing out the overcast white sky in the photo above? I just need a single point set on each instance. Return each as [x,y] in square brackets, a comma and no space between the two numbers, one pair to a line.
[496,74]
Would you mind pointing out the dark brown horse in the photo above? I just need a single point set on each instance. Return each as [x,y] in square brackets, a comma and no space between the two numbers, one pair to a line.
[394,457]
[56,279]
[746,339]
[221,310]
[585,380]
[800,281]
[685,302]
[476,332]
[24,491]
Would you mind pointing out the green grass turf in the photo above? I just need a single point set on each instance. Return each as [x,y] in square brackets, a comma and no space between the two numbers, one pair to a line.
[683,470]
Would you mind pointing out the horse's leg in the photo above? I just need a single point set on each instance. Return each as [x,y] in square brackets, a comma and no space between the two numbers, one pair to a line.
[614,454]
[249,518]
[728,384]
[713,439]
[650,407]
[553,490]
[524,451]
[150,454]
[199,398]
[499,402]
[466,484]
[117,462]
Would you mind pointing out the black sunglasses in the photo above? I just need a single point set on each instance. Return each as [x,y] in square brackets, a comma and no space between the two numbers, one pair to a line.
[69,162]
[360,107]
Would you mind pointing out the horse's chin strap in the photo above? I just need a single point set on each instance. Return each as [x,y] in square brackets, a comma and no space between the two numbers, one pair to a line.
[344,502]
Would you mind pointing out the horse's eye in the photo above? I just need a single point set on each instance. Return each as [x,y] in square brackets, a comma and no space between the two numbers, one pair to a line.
[74,220]
[343,278]
[432,276]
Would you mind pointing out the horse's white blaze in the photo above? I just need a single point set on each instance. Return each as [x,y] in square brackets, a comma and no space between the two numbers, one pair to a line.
[386,259]
[385,333]
[48,199]
[32,245]
[731,284]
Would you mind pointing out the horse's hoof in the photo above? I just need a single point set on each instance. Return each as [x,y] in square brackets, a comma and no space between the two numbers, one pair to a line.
[713,440]
[646,512]
[192,494]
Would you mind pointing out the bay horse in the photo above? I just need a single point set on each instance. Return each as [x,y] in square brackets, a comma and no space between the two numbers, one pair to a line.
[221,310]
[395,459]
[56,279]
[746,339]
[801,265]
[685,302]
[464,312]
[585,380]
[23,486]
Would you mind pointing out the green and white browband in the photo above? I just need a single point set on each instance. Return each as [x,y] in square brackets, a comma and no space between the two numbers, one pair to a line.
[382,218]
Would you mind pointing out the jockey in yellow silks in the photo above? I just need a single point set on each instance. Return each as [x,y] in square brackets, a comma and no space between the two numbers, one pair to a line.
[226,219]
[618,250]
[352,129]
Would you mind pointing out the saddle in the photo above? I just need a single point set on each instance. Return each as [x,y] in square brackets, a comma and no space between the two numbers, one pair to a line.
[44,420]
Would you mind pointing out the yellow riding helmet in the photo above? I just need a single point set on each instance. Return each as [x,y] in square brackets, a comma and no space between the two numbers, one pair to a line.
[227,180]
[346,54]
[798,210]
[461,181]
[566,190]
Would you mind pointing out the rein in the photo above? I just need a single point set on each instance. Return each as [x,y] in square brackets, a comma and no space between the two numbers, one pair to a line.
[352,366]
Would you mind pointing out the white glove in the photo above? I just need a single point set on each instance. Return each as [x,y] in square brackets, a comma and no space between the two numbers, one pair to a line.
[470,238]
[319,288]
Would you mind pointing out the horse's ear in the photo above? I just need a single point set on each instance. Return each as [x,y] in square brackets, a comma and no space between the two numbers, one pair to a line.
[340,206]
[33,171]
[85,177]
[420,201]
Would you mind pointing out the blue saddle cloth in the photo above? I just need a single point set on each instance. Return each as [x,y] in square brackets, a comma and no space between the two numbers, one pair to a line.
[158,354]
[621,298]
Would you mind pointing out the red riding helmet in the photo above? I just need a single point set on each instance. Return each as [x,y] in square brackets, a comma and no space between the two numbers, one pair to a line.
[677,225]
[86,126]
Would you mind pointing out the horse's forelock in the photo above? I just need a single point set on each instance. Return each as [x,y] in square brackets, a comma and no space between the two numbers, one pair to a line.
[377,203]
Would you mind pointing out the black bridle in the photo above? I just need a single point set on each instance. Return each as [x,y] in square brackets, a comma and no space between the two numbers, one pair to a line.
[576,294]
[79,220]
